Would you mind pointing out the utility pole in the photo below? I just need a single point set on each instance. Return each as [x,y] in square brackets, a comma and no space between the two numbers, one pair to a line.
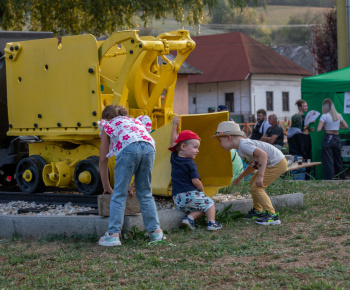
[343,22]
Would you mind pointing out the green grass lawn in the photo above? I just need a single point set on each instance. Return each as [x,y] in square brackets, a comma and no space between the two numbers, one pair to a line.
[310,250]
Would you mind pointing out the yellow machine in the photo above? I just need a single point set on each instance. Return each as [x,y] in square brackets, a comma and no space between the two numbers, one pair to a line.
[58,87]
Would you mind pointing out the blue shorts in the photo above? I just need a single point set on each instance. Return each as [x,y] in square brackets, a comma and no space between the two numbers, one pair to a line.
[192,201]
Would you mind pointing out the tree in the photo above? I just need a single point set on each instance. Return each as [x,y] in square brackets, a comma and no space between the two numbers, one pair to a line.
[324,43]
[224,13]
[100,16]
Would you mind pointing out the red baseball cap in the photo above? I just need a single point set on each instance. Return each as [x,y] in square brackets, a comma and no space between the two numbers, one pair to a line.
[183,136]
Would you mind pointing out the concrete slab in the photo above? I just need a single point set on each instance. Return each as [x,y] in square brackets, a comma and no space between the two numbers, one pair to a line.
[39,226]
[43,226]
[168,218]
[286,200]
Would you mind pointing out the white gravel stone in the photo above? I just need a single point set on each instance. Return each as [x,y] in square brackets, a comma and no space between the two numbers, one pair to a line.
[219,197]
[12,207]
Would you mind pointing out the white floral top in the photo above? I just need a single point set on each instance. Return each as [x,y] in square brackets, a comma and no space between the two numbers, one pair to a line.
[123,131]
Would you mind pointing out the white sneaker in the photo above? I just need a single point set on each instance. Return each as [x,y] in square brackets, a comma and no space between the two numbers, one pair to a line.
[155,237]
[109,241]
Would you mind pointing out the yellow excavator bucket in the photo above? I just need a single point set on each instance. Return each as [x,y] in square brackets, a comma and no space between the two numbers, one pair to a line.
[214,164]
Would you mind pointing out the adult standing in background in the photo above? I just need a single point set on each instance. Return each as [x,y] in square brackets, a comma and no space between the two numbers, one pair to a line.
[274,134]
[211,110]
[294,136]
[296,144]
[286,123]
[222,108]
[302,109]
[330,122]
[261,125]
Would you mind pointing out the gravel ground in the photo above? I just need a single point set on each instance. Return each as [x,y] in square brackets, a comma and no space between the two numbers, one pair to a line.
[13,207]
[219,197]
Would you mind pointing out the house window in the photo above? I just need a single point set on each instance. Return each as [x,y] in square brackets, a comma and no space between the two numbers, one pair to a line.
[285,101]
[269,101]
[194,100]
[230,102]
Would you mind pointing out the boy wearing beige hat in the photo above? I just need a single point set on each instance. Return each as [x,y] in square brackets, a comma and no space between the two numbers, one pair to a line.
[269,162]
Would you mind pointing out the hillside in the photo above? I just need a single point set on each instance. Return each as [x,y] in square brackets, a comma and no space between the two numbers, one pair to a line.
[279,15]
[274,15]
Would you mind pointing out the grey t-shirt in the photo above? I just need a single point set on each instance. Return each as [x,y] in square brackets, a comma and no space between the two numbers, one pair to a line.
[247,147]
[276,130]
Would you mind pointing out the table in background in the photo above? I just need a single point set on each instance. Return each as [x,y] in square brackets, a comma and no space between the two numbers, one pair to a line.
[296,166]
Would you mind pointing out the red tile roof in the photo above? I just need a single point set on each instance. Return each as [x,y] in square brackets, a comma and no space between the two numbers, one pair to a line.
[233,56]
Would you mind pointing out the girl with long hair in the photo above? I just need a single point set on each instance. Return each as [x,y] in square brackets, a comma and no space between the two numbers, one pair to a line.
[331,121]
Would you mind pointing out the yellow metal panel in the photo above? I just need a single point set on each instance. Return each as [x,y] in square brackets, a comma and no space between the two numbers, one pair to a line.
[68,134]
[60,151]
[111,64]
[214,164]
[161,173]
[130,44]
[49,86]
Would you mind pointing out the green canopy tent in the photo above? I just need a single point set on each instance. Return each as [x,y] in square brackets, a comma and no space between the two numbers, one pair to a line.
[317,88]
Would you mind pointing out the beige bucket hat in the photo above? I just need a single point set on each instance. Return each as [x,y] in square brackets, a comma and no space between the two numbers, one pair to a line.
[228,128]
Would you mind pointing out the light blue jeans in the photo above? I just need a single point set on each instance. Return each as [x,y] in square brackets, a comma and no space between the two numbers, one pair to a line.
[137,158]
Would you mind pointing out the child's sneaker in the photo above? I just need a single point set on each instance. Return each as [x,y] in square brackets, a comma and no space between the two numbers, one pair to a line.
[188,223]
[253,214]
[155,237]
[109,241]
[268,219]
[213,226]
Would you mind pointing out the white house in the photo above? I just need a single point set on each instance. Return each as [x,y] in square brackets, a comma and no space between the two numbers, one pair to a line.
[244,75]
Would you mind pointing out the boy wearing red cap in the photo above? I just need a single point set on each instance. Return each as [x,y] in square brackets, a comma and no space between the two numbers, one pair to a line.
[187,188]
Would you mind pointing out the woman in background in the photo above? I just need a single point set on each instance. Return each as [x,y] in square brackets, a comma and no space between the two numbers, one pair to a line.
[330,122]
[296,144]
[306,139]
[295,137]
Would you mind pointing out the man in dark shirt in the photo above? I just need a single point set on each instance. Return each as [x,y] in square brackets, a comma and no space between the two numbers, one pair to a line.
[274,135]
[261,125]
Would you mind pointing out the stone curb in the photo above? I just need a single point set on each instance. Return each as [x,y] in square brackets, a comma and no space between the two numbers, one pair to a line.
[43,226]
